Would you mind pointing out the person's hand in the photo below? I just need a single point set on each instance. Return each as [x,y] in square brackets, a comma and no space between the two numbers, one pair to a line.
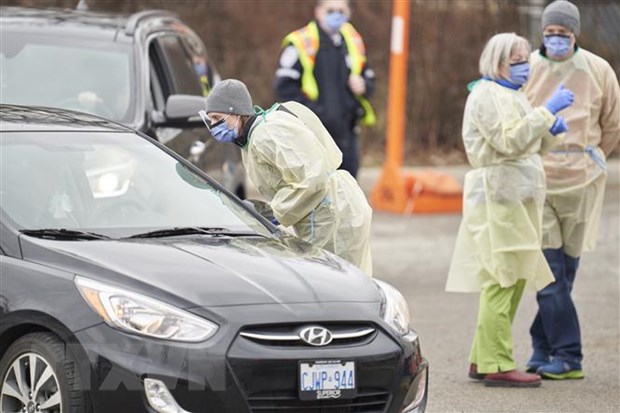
[357,84]
[559,126]
[561,99]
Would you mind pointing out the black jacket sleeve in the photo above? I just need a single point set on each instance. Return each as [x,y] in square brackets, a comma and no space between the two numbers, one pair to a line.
[369,78]
[287,84]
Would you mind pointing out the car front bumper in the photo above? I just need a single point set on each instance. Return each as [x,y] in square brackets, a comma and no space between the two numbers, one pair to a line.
[232,373]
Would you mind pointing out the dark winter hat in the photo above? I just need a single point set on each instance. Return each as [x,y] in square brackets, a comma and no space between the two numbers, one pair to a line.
[229,96]
[563,13]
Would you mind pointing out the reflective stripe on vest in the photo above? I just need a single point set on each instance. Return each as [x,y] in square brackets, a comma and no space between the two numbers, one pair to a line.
[306,41]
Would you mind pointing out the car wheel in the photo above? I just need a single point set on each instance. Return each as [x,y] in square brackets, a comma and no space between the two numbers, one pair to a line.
[39,375]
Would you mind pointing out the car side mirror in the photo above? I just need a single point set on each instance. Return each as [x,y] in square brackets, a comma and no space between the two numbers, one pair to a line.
[182,110]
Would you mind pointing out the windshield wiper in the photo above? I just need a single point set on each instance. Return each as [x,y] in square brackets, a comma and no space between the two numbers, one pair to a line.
[177,231]
[62,233]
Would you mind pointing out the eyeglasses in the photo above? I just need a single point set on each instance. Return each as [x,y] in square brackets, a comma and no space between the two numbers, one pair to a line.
[210,123]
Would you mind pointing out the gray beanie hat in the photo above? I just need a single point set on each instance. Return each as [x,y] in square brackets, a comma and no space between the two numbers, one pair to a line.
[563,13]
[229,96]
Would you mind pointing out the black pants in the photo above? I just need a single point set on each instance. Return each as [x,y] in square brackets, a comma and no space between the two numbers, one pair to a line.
[348,144]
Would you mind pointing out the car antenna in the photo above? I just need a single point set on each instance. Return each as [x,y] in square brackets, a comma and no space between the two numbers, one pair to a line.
[82,6]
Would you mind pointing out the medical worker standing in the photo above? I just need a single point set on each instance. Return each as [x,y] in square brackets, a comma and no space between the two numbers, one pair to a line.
[292,160]
[576,175]
[498,248]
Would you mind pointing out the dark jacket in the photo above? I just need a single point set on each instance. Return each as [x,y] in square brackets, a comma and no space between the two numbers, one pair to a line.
[336,106]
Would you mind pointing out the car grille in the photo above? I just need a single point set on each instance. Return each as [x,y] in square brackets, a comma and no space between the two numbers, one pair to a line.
[266,371]
[365,402]
[289,335]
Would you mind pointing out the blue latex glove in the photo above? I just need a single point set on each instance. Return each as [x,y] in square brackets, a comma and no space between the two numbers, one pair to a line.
[558,126]
[275,222]
[561,99]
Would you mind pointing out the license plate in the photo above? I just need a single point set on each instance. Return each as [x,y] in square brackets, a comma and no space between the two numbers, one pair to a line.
[326,379]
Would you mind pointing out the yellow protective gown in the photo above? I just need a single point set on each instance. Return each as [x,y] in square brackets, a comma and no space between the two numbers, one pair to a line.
[499,240]
[576,170]
[293,161]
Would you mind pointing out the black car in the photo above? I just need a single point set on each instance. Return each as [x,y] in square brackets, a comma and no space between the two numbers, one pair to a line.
[148,70]
[132,282]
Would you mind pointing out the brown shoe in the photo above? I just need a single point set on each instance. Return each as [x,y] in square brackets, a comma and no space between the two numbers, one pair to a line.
[473,372]
[512,378]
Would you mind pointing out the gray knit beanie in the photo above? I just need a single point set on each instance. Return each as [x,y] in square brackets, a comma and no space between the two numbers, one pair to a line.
[563,13]
[229,96]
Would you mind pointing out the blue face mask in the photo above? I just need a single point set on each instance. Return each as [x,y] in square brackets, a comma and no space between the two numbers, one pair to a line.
[222,133]
[200,69]
[335,20]
[519,73]
[557,45]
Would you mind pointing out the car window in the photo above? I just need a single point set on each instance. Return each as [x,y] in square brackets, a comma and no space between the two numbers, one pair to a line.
[157,92]
[174,66]
[79,74]
[202,66]
[115,183]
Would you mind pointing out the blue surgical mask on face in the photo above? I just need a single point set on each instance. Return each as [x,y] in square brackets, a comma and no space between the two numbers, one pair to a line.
[200,69]
[335,20]
[222,133]
[519,73]
[557,45]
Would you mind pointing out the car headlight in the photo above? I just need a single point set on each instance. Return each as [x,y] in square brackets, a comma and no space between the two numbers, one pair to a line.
[394,309]
[138,314]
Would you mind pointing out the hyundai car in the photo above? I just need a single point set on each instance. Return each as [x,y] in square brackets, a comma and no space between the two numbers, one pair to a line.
[142,285]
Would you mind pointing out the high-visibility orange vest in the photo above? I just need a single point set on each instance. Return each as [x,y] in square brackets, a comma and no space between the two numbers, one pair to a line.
[306,41]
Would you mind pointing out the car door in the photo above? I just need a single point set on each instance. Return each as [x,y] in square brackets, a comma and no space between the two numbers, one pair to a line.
[175,68]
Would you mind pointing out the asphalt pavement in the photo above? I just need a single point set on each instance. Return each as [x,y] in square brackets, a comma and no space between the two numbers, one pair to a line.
[413,253]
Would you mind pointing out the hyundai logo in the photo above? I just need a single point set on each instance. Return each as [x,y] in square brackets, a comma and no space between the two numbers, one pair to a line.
[316,336]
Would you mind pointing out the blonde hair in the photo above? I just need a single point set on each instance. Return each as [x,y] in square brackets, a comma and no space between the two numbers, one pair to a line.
[497,52]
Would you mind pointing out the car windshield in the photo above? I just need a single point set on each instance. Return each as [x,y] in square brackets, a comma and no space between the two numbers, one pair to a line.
[68,73]
[114,184]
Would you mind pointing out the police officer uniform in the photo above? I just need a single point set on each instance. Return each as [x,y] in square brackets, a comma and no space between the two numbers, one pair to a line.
[314,69]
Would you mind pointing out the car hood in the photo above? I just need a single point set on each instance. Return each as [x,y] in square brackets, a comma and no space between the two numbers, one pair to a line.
[211,271]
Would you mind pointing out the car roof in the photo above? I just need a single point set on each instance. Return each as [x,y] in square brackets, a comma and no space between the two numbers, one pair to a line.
[17,118]
[92,24]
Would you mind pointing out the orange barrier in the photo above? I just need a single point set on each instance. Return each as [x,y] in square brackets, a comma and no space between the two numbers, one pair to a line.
[389,193]
[431,192]
[424,192]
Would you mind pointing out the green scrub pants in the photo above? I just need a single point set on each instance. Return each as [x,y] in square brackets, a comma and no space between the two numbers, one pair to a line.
[491,350]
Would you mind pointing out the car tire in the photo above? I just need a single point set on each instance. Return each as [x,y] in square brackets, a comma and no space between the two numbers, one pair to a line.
[62,388]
